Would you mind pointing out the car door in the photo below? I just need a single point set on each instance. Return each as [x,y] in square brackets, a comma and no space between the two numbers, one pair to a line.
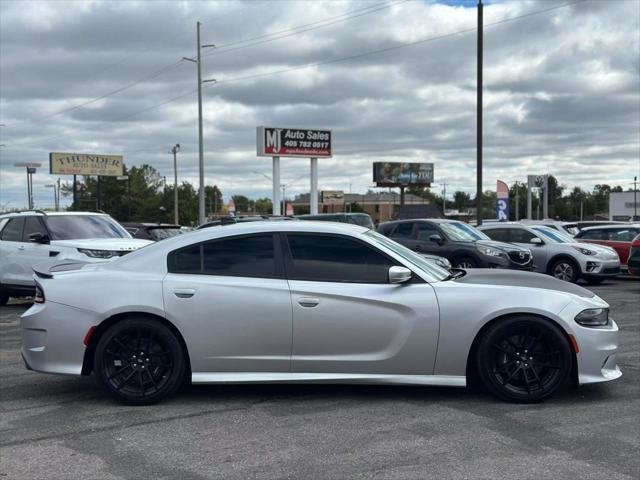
[233,304]
[33,252]
[402,233]
[13,268]
[539,251]
[347,317]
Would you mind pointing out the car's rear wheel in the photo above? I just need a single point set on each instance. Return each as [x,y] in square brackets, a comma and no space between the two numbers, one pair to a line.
[524,359]
[565,269]
[465,262]
[139,361]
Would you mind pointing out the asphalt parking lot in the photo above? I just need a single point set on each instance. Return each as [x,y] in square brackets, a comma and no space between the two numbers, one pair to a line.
[55,427]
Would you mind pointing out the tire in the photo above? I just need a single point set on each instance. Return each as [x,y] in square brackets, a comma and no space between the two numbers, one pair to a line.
[524,359]
[139,361]
[565,269]
[4,297]
[465,262]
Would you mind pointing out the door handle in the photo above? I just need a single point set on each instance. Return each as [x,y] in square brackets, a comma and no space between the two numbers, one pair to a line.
[184,292]
[308,301]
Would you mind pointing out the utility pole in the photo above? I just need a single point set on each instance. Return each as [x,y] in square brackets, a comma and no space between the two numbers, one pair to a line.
[479,121]
[635,200]
[175,149]
[198,62]
[517,203]
[444,199]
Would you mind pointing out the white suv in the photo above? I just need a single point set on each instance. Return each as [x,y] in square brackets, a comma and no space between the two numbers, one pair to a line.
[29,238]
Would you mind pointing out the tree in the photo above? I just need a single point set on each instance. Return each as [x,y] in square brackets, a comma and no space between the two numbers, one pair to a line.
[461,200]
[243,204]
[263,206]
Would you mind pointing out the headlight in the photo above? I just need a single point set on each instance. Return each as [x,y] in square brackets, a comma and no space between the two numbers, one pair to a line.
[492,252]
[584,251]
[593,317]
[98,253]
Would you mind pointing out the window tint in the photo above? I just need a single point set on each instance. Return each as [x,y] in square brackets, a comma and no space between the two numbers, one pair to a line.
[402,230]
[239,256]
[325,258]
[498,234]
[622,234]
[594,235]
[425,230]
[519,235]
[71,227]
[32,225]
[12,232]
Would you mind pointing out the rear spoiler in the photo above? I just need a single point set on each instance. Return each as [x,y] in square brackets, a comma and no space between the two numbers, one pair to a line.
[47,269]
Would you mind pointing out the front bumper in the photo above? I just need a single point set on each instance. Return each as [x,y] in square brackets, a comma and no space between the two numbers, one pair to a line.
[597,358]
[600,268]
[506,263]
[52,337]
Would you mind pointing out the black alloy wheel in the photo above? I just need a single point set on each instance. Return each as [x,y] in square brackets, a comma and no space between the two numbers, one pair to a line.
[139,361]
[524,359]
[465,262]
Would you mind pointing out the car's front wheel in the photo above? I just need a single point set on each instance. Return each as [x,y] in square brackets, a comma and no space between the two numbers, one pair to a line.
[565,269]
[465,262]
[139,361]
[524,359]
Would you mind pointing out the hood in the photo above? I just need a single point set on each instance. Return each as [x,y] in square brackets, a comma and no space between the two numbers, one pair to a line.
[515,278]
[502,245]
[113,244]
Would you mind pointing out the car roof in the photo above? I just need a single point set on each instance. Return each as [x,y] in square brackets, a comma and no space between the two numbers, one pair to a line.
[435,220]
[48,214]
[609,227]
[507,224]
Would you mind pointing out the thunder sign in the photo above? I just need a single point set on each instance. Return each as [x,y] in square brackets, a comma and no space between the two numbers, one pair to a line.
[502,202]
[293,142]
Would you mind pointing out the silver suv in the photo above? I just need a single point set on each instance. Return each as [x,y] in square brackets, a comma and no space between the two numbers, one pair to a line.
[29,238]
[558,254]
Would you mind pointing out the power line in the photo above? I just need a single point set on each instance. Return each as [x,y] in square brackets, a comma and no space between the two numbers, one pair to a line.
[222,49]
[326,62]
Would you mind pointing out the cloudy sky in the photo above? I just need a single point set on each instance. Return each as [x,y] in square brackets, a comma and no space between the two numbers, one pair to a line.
[395,80]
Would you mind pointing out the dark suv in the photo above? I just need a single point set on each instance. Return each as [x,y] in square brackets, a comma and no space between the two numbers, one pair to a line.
[463,245]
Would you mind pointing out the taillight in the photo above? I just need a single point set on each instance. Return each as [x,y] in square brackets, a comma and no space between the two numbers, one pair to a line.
[39,296]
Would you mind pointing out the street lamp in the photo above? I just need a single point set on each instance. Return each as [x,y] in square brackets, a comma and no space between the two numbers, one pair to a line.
[55,195]
[31,169]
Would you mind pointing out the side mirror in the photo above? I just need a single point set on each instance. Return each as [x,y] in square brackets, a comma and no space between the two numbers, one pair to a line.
[536,241]
[38,238]
[399,274]
[435,238]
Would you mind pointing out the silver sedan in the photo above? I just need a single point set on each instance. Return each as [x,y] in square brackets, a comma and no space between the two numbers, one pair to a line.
[311,302]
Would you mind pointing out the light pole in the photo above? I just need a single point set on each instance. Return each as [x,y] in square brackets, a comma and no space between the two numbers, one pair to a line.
[55,195]
[175,149]
[635,200]
[198,62]
[31,169]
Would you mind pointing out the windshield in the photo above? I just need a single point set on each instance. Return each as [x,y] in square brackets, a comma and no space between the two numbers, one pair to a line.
[462,232]
[162,233]
[554,235]
[72,227]
[431,269]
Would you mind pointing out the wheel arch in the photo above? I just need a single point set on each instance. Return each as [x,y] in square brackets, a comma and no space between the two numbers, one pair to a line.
[470,368]
[87,362]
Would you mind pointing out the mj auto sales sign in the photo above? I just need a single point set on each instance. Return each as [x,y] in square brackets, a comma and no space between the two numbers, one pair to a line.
[293,142]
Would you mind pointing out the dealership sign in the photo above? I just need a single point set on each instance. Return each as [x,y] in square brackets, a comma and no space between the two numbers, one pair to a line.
[390,174]
[86,164]
[502,202]
[293,142]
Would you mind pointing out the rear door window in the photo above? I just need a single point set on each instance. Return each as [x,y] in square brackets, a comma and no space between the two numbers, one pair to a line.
[403,230]
[594,235]
[498,234]
[519,235]
[12,232]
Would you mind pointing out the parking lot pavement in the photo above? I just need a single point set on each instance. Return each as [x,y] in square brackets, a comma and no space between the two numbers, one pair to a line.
[56,427]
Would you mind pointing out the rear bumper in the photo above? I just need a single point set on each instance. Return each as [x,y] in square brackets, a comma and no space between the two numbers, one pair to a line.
[52,337]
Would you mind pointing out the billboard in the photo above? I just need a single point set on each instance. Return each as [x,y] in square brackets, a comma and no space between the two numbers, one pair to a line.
[502,202]
[85,164]
[395,174]
[293,142]
[537,181]
[332,197]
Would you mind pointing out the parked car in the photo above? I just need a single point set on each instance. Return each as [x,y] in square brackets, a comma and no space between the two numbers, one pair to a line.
[362,219]
[152,231]
[568,228]
[311,302]
[634,258]
[463,245]
[27,238]
[596,223]
[557,254]
[618,237]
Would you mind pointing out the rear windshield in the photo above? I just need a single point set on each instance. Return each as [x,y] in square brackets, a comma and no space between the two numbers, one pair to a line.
[71,227]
